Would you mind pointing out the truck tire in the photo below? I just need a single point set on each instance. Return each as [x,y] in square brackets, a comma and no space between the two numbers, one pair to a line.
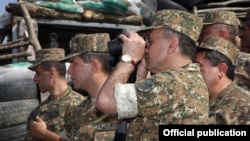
[18,90]
[14,133]
[16,112]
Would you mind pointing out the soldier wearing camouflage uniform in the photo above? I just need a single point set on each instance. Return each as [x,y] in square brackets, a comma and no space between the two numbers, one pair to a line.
[87,123]
[54,111]
[176,92]
[89,68]
[242,71]
[244,33]
[224,24]
[229,104]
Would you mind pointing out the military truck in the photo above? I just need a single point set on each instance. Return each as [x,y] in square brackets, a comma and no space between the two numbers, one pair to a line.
[29,26]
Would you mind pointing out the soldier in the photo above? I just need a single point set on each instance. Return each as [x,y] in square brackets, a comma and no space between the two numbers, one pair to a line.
[244,33]
[224,24]
[229,104]
[176,92]
[50,77]
[89,68]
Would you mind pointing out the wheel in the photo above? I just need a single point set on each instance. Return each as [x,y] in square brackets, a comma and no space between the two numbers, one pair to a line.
[18,90]
[14,133]
[16,112]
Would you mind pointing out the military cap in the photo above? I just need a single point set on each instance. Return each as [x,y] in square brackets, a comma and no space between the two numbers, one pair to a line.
[49,54]
[221,17]
[179,21]
[83,43]
[221,45]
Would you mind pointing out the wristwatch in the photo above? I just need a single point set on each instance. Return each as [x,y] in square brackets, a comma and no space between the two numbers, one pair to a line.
[128,59]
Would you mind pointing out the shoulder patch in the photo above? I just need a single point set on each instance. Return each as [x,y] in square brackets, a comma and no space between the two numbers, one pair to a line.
[145,85]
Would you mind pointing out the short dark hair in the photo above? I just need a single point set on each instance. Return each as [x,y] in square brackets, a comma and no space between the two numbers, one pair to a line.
[186,44]
[60,67]
[215,57]
[103,58]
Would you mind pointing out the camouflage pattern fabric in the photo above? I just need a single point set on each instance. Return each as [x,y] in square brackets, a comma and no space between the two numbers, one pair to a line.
[180,21]
[242,71]
[221,17]
[44,55]
[87,123]
[61,6]
[82,43]
[221,45]
[104,136]
[232,106]
[170,97]
[239,59]
[55,111]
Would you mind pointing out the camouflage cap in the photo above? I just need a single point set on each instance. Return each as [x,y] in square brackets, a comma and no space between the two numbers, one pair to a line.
[83,43]
[179,21]
[49,54]
[221,17]
[221,45]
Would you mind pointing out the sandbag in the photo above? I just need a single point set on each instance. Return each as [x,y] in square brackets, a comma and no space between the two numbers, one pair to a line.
[96,6]
[132,7]
[66,7]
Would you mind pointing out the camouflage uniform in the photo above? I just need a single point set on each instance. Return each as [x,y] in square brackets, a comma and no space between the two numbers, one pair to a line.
[170,97]
[232,104]
[221,17]
[83,43]
[176,96]
[242,73]
[45,55]
[54,111]
[86,123]
[221,45]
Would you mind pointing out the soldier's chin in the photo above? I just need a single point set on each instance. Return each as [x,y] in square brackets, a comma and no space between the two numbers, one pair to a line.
[42,91]
[76,86]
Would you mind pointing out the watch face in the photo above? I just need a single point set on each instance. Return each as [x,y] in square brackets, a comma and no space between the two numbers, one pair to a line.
[126,58]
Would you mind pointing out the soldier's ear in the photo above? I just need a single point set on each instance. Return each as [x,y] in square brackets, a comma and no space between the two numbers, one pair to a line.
[95,65]
[53,72]
[223,68]
[223,34]
[174,43]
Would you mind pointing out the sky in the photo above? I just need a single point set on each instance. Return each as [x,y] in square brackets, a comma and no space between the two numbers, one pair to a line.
[4,3]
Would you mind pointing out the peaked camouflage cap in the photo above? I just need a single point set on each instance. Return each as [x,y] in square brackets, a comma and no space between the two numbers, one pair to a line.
[221,45]
[83,43]
[46,55]
[179,21]
[221,17]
